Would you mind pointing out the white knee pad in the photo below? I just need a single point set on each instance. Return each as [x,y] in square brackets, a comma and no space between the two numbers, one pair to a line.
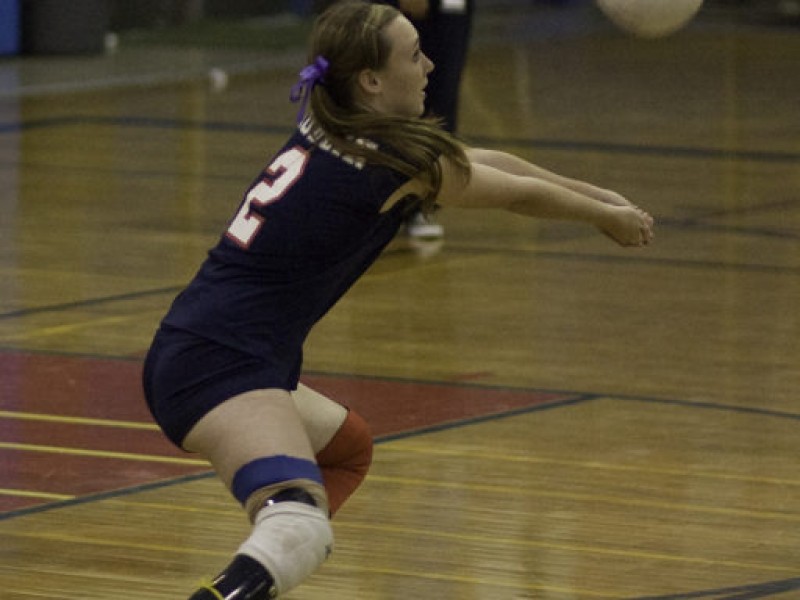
[291,540]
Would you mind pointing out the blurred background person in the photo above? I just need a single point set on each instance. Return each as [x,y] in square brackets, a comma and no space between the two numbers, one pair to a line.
[444,28]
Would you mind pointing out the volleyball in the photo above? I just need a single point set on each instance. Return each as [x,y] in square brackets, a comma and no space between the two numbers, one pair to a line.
[650,18]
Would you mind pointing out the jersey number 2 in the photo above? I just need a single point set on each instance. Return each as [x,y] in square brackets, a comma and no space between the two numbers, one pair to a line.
[284,171]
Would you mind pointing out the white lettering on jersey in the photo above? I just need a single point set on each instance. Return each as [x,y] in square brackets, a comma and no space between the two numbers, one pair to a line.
[316,136]
[284,171]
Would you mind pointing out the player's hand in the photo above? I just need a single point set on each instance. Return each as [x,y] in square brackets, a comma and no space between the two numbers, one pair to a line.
[628,225]
[416,9]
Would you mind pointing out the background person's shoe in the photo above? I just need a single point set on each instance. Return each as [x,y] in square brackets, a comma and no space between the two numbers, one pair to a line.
[420,225]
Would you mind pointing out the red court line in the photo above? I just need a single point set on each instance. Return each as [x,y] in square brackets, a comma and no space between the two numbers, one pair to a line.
[66,389]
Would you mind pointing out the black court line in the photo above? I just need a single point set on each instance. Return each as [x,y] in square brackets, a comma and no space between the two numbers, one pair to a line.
[579,399]
[379,440]
[18,126]
[492,141]
[88,499]
[699,224]
[715,266]
[85,355]
[26,312]
[742,592]
[780,204]
[732,408]
[572,398]
[769,156]
[145,123]
[683,263]
[745,592]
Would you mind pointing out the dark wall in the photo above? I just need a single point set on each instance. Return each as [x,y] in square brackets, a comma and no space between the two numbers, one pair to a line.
[130,14]
[58,27]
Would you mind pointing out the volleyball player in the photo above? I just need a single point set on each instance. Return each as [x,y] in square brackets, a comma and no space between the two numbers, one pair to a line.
[222,374]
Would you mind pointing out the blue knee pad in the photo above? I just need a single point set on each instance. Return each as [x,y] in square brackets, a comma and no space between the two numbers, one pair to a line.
[270,470]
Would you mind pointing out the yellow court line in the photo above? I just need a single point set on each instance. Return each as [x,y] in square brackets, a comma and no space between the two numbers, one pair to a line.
[507,542]
[486,540]
[589,498]
[358,568]
[103,454]
[7,414]
[411,447]
[72,539]
[30,494]
[67,328]
[488,581]
[234,510]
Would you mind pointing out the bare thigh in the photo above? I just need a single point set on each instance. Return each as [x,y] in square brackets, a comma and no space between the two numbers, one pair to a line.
[253,425]
[321,416]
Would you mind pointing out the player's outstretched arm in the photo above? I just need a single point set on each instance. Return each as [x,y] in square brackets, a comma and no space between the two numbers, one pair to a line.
[523,189]
[515,165]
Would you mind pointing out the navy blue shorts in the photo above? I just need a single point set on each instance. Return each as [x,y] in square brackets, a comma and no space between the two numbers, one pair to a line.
[186,376]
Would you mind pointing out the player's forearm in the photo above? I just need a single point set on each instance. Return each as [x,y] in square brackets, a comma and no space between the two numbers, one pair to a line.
[489,187]
[514,165]
[535,197]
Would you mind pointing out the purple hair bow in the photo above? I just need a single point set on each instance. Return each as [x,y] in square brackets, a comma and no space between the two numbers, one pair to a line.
[309,77]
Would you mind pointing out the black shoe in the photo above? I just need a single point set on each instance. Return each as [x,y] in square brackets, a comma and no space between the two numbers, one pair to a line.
[243,579]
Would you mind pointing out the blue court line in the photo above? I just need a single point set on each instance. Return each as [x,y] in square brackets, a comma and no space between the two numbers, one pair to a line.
[770,156]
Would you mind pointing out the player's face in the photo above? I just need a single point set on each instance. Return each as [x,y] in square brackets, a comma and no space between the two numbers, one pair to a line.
[405,75]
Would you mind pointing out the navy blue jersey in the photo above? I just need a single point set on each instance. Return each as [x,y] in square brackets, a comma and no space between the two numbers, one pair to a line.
[307,229]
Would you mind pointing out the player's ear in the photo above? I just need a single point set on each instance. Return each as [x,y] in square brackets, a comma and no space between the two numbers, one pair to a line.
[369,82]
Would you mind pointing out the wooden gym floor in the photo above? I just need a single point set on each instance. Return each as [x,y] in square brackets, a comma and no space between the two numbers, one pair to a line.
[557,418]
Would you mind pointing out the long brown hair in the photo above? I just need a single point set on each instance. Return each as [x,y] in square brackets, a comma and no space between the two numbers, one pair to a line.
[350,36]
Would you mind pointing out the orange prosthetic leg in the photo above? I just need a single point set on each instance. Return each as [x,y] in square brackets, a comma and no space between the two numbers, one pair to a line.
[344,462]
